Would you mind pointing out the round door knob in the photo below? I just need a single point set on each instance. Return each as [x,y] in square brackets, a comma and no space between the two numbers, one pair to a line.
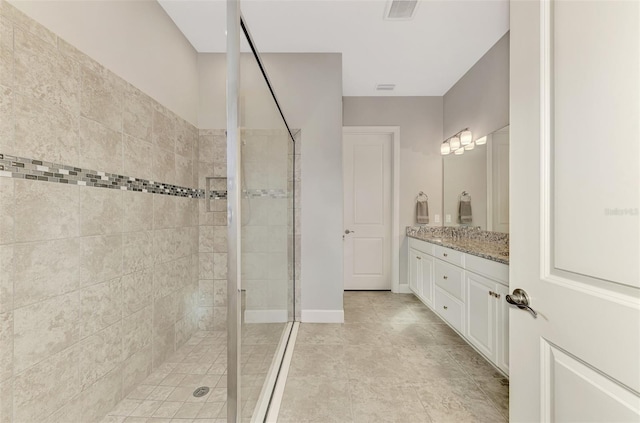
[347,232]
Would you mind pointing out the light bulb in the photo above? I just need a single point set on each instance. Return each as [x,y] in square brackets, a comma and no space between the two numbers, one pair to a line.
[445,148]
[454,142]
[470,146]
[481,141]
[459,151]
[466,137]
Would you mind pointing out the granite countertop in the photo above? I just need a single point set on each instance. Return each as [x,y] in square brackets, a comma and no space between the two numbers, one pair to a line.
[489,245]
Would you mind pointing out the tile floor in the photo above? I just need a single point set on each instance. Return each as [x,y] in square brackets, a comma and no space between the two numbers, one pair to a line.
[393,360]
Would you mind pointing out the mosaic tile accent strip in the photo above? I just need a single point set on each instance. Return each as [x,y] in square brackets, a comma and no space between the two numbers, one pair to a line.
[266,193]
[38,170]
[216,195]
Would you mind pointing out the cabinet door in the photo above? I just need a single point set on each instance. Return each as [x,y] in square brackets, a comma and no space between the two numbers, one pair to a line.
[426,280]
[502,331]
[481,314]
[415,270]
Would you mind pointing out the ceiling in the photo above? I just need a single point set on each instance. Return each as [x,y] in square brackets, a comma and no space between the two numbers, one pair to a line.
[423,56]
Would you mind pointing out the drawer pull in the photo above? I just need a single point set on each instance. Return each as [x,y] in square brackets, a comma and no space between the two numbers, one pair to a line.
[445,254]
[493,294]
[419,258]
[445,307]
[446,277]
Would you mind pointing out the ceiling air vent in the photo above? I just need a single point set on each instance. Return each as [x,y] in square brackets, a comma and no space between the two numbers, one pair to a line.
[401,9]
[385,87]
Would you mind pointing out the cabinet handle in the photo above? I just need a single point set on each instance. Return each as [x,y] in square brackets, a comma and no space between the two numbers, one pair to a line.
[445,254]
[446,277]
[491,293]
[497,295]
[419,258]
[445,307]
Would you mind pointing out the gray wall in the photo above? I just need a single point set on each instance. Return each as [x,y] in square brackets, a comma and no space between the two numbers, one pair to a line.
[480,99]
[420,122]
[309,88]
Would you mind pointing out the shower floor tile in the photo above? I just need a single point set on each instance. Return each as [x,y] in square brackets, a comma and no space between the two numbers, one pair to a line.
[167,394]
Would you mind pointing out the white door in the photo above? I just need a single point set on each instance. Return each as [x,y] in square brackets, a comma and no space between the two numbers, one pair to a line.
[575,178]
[367,210]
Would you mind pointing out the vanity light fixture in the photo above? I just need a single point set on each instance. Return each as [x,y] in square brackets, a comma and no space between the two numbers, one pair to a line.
[445,148]
[454,142]
[457,142]
[481,141]
[466,137]
[459,151]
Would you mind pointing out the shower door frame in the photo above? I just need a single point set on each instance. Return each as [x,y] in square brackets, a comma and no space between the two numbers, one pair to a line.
[236,26]
[234,218]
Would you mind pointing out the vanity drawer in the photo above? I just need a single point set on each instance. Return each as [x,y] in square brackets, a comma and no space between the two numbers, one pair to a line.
[421,246]
[450,310]
[447,254]
[450,278]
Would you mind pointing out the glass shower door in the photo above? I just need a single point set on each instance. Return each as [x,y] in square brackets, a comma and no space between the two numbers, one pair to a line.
[262,161]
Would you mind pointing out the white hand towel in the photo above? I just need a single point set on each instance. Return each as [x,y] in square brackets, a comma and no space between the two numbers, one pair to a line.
[422,212]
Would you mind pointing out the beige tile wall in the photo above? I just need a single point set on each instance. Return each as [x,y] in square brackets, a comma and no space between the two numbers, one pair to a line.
[265,223]
[212,246]
[97,286]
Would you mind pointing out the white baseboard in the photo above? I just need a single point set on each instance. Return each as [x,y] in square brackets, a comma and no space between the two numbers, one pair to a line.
[322,316]
[403,289]
[266,316]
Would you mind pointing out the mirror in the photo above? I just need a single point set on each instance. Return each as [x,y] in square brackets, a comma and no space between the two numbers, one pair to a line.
[483,174]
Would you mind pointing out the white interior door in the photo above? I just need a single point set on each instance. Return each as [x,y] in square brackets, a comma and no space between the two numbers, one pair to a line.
[575,178]
[367,210]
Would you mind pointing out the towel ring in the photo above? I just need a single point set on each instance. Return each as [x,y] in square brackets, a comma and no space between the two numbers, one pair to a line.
[422,194]
[465,194]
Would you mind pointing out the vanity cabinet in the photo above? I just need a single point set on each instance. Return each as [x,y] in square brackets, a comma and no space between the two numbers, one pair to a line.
[467,292]
[450,279]
[488,282]
[486,319]
[449,309]
[449,293]
[421,273]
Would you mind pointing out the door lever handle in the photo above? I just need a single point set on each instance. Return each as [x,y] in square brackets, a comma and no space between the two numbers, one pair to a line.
[520,299]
